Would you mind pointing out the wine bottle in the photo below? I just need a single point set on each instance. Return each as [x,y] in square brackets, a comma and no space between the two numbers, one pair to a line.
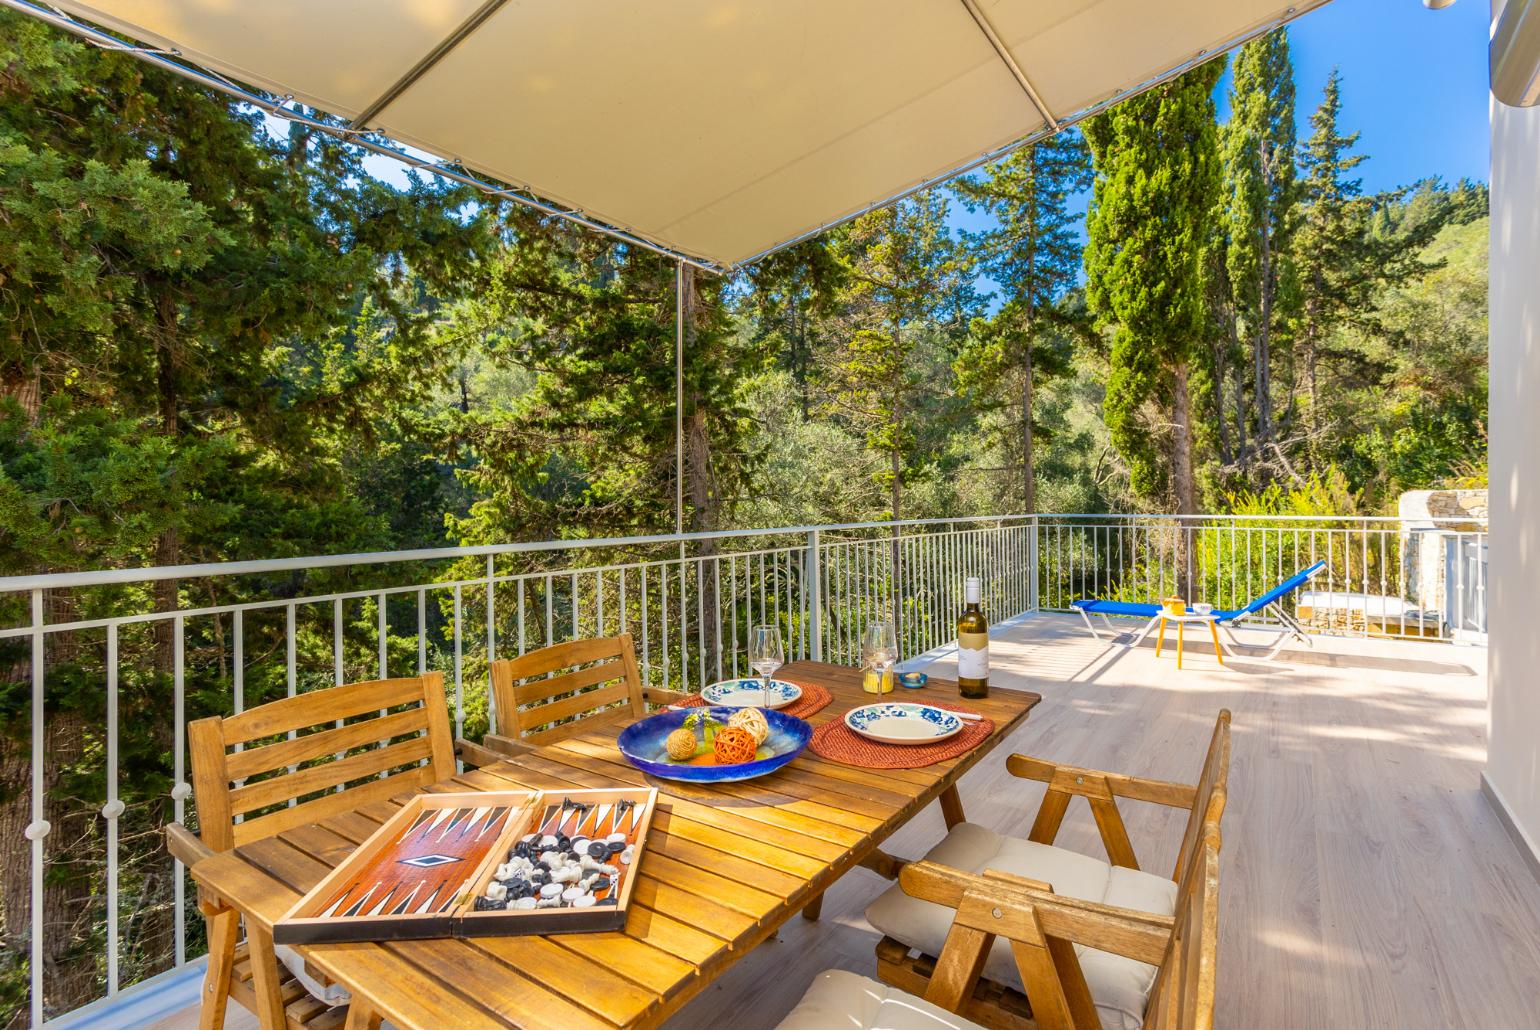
[972,643]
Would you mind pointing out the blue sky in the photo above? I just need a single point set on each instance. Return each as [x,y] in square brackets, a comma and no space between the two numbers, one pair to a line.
[1414,85]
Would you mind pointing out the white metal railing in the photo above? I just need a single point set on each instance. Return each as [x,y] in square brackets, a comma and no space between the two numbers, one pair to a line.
[1382,576]
[242,633]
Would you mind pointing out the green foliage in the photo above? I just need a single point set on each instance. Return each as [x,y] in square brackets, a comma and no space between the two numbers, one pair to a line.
[1257,148]
[1034,254]
[905,274]
[1157,172]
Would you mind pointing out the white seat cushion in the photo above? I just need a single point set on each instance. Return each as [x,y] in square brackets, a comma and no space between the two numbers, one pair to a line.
[330,994]
[1119,986]
[841,1000]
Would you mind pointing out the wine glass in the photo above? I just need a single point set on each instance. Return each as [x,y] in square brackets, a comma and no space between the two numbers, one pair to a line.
[766,655]
[879,649]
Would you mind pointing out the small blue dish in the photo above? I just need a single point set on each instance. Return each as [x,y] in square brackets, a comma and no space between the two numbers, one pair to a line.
[642,744]
[912,680]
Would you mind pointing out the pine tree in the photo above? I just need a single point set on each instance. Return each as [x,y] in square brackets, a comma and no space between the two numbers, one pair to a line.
[1034,253]
[1329,245]
[904,271]
[1257,148]
[1152,208]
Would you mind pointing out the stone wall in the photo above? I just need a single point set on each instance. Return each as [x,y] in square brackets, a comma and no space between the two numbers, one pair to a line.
[1428,517]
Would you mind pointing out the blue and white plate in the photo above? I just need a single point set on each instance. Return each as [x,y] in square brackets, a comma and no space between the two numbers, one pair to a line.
[898,722]
[749,693]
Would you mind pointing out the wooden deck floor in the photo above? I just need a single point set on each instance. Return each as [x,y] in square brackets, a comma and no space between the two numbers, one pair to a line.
[1365,882]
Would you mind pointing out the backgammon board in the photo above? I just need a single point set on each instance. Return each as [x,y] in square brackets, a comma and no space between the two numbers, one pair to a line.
[483,864]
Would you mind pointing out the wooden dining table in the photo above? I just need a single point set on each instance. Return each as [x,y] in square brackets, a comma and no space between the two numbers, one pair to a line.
[725,866]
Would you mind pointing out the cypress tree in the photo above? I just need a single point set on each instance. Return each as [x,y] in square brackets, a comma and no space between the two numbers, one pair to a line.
[1152,209]
[1257,147]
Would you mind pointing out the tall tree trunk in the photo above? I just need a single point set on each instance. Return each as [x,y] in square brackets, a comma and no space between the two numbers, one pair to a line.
[1184,487]
[1222,422]
[700,481]
[1028,456]
[1264,328]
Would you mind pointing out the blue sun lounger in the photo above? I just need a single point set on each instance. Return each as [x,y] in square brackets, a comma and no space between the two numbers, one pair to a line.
[1228,619]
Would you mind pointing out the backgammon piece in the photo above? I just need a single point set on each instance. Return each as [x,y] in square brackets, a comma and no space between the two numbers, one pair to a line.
[607,901]
[601,883]
[597,850]
[614,847]
[571,894]
[616,838]
[580,843]
[547,842]
[550,890]
[586,901]
[523,904]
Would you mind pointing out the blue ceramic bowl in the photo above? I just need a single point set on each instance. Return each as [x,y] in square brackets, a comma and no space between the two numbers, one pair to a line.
[912,680]
[642,744]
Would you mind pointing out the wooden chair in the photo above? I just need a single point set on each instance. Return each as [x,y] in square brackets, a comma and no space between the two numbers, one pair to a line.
[915,932]
[1043,930]
[545,696]
[283,782]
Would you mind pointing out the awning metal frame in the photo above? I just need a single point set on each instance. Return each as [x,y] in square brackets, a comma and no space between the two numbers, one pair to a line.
[447,168]
[357,134]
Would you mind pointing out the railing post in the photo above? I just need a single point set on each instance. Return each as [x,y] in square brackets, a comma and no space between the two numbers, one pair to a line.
[813,576]
[37,830]
[1034,600]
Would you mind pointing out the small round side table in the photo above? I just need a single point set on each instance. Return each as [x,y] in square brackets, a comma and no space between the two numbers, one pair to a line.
[1181,623]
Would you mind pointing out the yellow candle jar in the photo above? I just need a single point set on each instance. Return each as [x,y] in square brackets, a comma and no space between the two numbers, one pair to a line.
[871,686]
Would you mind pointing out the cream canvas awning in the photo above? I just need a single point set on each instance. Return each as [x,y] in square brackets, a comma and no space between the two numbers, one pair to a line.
[715,129]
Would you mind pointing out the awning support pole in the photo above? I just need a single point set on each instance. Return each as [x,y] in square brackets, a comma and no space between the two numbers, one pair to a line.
[679,401]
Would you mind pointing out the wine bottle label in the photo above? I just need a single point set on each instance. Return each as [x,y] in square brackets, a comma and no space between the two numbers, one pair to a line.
[973,656]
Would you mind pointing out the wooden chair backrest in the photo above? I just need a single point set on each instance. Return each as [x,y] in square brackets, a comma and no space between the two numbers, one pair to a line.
[1043,929]
[1183,995]
[1209,803]
[545,695]
[410,744]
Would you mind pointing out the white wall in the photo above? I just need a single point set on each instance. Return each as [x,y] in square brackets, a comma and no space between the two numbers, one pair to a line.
[1513,761]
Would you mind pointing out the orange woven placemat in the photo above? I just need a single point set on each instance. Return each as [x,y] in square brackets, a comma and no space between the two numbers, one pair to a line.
[814,699]
[839,743]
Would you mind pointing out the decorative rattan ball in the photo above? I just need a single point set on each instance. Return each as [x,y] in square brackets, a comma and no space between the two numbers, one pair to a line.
[753,720]
[735,745]
[680,744]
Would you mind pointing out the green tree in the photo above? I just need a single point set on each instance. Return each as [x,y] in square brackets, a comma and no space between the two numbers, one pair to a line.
[1034,253]
[177,363]
[905,274]
[1329,247]
[1152,208]
[1257,150]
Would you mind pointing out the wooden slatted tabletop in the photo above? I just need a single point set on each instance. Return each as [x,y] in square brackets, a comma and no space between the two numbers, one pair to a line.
[726,864]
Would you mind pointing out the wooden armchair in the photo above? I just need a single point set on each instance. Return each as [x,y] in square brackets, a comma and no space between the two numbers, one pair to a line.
[344,754]
[1044,933]
[546,695]
[915,926]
